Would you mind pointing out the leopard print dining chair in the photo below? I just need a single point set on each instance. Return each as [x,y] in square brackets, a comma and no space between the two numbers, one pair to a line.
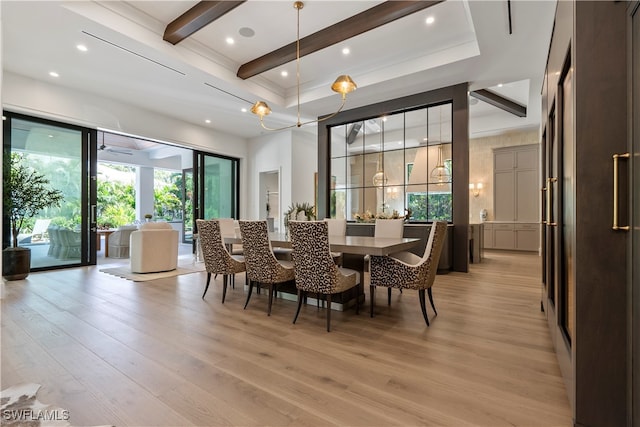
[315,269]
[217,259]
[411,272]
[262,266]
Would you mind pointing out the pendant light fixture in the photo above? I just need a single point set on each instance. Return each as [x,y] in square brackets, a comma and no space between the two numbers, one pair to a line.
[343,85]
[440,173]
[380,178]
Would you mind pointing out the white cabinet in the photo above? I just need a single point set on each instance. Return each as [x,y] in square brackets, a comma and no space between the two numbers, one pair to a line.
[503,236]
[516,236]
[515,201]
[515,176]
[488,235]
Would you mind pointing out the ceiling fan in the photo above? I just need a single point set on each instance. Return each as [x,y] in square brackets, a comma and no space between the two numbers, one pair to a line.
[113,150]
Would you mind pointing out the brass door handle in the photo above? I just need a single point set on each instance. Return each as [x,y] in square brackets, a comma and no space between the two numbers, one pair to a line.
[616,158]
[549,222]
[543,220]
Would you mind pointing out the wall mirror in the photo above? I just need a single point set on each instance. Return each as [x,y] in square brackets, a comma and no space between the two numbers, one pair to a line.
[393,164]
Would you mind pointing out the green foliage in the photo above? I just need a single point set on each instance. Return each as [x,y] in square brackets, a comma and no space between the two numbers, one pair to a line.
[116,204]
[167,203]
[26,193]
[430,207]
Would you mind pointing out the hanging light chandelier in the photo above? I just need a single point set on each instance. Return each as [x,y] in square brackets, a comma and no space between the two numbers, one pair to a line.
[380,178]
[343,85]
[440,173]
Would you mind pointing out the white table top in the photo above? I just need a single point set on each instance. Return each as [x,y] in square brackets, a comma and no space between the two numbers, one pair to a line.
[361,245]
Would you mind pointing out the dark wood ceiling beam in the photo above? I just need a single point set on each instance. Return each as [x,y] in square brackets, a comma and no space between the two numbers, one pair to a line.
[499,101]
[194,19]
[368,20]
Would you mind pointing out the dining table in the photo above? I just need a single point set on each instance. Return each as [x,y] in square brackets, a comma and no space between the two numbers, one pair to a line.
[357,246]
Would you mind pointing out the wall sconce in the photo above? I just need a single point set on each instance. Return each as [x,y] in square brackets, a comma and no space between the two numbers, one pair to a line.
[392,193]
[475,189]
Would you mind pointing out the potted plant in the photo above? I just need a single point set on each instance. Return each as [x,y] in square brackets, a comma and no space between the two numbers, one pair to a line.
[26,192]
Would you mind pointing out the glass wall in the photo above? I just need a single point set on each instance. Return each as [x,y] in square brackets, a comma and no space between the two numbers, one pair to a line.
[395,165]
[55,234]
[217,186]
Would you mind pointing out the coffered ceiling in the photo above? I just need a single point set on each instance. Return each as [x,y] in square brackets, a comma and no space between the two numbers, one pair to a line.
[195,80]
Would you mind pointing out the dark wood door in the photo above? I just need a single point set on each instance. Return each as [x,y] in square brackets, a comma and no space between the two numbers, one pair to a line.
[634,150]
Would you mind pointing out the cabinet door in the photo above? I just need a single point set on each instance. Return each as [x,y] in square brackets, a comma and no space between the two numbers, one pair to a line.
[504,206]
[527,237]
[503,236]
[488,236]
[503,161]
[526,203]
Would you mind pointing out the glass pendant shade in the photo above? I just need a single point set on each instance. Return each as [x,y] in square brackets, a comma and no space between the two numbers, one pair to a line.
[261,109]
[343,85]
[440,174]
[379,178]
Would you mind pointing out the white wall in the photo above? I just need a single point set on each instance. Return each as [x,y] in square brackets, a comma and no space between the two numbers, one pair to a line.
[304,164]
[267,153]
[41,99]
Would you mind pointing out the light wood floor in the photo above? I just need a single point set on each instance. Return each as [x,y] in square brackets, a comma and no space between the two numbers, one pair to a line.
[154,353]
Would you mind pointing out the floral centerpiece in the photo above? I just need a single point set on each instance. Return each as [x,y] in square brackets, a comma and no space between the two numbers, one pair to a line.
[367,216]
[299,212]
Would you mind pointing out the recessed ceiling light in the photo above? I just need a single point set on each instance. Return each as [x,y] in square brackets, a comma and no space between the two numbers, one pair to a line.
[499,84]
[230,40]
[430,20]
[207,121]
[50,136]
[81,48]
[284,73]
[244,110]
[346,51]
[54,74]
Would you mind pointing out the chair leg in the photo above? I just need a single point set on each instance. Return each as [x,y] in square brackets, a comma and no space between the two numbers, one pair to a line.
[301,295]
[271,285]
[233,281]
[249,294]
[328,312]
[357,300]
[372,297]
[388,296]
[431,301]
[206,288]
[225,279]
[423,306]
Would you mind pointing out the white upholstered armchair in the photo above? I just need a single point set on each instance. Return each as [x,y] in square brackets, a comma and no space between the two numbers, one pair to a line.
[118,241]
[154,248]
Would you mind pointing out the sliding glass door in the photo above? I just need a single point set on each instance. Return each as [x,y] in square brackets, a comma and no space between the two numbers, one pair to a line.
[216,186]
[57,236]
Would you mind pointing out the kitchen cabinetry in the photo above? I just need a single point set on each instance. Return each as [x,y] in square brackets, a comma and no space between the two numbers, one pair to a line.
[515,200]
[516,236]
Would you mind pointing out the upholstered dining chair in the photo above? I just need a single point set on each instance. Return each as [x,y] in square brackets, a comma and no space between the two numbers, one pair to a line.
[337,227]
[389,228]
[412,271]
[228,228]
[262,266]
[217,259]
[316,272]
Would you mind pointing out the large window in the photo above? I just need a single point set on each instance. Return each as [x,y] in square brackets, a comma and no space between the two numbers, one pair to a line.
[393,165]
